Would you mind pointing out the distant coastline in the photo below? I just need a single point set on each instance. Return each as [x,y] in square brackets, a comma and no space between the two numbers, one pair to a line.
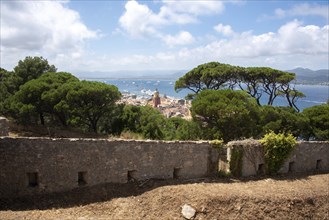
[313,83]
[169,79]
[304,76]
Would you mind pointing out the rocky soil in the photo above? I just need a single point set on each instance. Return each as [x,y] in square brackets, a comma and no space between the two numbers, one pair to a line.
[283,197]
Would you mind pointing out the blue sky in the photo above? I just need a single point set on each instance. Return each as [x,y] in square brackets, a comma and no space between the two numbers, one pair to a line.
[88,36]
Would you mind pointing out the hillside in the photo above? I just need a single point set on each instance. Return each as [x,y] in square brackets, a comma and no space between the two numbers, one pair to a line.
[307,76]
[147,74]
[294,197]
[303,75]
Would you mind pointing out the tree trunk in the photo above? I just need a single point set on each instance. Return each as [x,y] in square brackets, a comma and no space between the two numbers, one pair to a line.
[62,119]
[42,119]
[294,104]
[94,125]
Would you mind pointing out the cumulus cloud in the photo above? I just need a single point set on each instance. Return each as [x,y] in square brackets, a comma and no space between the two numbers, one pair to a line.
[307,9]
[303,9]
[291,38]
[226,30]
[41,27]
[139,20]
[293,44]
[194,7]
[182,38]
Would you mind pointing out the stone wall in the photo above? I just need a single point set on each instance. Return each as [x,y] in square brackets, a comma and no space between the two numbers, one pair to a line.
[43,165]
[4,127]
[306,156]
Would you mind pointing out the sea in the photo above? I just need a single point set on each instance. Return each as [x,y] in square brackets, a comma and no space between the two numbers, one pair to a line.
[315,94]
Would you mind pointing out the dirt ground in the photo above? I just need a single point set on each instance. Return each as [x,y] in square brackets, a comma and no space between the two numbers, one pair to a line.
[282,197]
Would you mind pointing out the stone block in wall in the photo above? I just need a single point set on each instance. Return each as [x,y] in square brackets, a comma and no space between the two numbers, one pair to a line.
[223,160]
[213,160]
[252,156]
[4,127]
[307,157]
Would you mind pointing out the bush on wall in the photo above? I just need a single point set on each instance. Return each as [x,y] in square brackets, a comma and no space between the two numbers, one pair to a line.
[236,161]
[277,148]
[218,144]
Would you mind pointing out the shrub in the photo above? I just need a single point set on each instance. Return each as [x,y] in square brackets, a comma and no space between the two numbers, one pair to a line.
[277,148]
[218,144]
[318,122]
[131,135]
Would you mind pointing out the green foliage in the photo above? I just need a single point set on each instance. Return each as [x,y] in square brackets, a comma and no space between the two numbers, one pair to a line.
[31,68]
[211,75]
[26,70]
[29,97]
[267,80]
[90,101]
[277,148]
[228,114]
[131,135]
[181,129]
[318,117]
[8,86]
[144,120]
[256,81]
[39,98]
[34,93]
[217,143]
[131,117]
[8,83]
[152,123]
[112,122]
[59,98]
[55,94]
[223,174]
[282,120]
[236,162]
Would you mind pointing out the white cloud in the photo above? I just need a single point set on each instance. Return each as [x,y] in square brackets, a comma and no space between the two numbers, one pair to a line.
[291,38]
[291,45]
[44,28]
[303,9]
[173,17]
[226,30]
[182,38]
[310,39]
[139,20]
[195,7]
[165,56]
[50,29]
[307,9]
[280,13]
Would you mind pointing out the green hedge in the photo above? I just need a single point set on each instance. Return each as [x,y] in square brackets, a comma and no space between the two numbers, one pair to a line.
[277,148]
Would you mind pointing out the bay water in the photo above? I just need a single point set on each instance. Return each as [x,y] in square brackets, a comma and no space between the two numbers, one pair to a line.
[315,94]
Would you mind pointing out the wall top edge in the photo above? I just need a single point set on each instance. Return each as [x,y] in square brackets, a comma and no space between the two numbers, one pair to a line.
[231,143]
[101,140]
[253,142]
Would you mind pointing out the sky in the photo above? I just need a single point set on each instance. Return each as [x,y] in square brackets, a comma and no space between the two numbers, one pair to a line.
[89,36]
